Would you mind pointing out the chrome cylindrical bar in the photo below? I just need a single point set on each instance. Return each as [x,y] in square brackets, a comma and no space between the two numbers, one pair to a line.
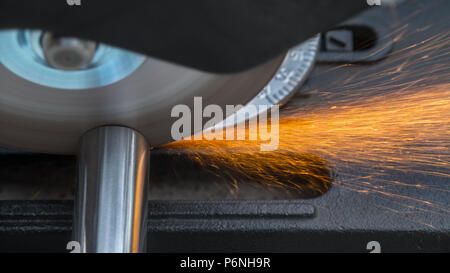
[111,203]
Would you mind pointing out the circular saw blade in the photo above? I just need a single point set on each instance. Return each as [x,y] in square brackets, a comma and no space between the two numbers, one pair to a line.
[39,118]
[42,116]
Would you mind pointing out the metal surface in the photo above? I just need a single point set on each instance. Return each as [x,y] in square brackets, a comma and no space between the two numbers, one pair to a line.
[265,226]
[67,53]
[111,203]
[375,42]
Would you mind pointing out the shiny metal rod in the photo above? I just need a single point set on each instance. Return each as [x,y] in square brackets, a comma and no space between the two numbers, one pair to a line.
[111,203]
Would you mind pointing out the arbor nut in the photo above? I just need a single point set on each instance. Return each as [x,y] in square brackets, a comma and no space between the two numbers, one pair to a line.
[67,53]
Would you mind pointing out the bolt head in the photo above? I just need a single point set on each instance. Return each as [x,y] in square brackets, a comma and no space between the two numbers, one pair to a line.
[66,53]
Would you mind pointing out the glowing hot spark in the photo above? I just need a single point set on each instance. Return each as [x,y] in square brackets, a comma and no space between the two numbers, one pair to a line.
[392,117]
[405,131]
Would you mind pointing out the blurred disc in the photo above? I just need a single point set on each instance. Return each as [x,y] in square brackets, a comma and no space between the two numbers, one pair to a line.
[47,110]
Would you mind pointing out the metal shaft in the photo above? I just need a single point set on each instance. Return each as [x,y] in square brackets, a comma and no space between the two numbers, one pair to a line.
[111,203]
